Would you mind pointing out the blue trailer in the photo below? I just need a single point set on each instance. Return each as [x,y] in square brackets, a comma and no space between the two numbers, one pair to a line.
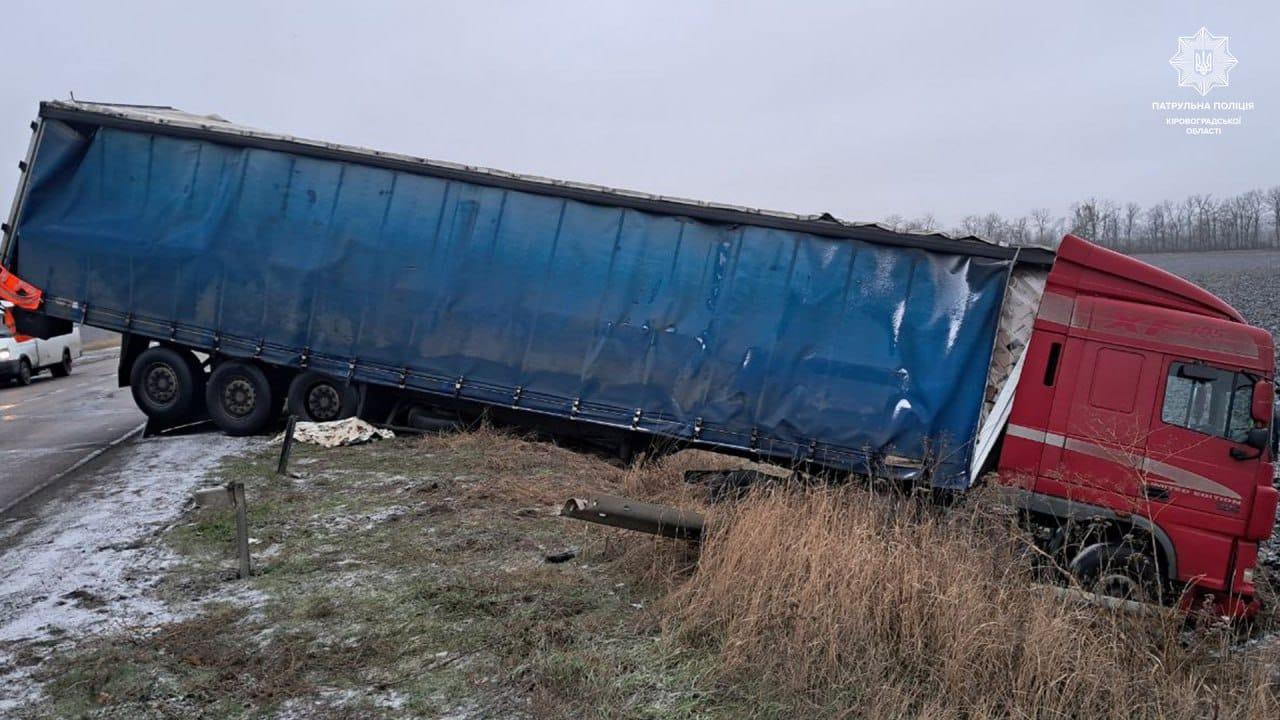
[245,267]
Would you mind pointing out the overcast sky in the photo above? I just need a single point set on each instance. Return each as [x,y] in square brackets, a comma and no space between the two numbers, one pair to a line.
[864,110]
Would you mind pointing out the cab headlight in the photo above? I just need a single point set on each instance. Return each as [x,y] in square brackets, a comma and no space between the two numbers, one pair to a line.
[4,353]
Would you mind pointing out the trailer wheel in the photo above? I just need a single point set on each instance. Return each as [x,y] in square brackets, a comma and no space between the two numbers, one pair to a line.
[239,398]
[167,384]
[314,397]
[1117,569]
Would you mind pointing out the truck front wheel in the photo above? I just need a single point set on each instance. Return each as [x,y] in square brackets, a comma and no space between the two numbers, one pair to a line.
[167,384]
[314,397]
[1118,569]
[240,399]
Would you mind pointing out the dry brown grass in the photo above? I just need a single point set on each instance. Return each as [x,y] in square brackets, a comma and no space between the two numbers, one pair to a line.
[518,470]
[842,603]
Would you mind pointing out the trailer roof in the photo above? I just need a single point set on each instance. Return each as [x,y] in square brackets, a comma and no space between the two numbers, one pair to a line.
[171,121]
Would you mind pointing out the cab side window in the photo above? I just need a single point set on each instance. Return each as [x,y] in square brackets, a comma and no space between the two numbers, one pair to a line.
[1208,400]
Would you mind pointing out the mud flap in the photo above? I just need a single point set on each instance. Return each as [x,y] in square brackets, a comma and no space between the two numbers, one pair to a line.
[131,346]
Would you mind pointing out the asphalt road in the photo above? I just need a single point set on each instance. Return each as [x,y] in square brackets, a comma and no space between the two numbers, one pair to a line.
[52,425]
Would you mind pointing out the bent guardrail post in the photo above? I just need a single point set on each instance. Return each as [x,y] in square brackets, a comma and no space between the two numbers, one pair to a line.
[230,495]
[286,447]
[651,518]
[242,527]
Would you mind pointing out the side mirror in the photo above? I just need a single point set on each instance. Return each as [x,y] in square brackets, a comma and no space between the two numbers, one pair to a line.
[1264,396]
[1258,438]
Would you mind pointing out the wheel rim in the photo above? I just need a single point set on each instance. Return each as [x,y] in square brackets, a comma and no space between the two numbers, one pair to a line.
[24,373]
[323,402]
[66,361]
[239,397]
[160,384]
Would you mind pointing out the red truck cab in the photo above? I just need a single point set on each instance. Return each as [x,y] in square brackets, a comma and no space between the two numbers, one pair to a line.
[1141,421]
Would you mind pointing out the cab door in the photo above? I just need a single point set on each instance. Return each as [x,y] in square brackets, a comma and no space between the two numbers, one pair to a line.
[1196,448]
[1108,416]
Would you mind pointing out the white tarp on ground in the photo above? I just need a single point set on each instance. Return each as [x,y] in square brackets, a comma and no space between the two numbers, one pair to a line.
[352,431]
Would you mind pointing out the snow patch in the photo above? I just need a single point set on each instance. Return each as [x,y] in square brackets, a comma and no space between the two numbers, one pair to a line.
[91,560]
[328,699]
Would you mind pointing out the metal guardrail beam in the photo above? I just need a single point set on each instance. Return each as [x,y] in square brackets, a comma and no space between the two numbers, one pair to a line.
[651,518]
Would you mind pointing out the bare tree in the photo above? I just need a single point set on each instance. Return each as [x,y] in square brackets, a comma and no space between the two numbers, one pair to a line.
[1200,222]
[1252,204]
[1156,220]
[1187,223]
[1084,219]
[1273,204]
[993,227]
[1109,223]
[1230,223]
[1169,227]
[925,223]
[1042,220]
[1203,220]
[1131,212]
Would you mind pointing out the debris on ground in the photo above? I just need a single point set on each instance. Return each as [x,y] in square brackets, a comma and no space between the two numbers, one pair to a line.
[562,556]
[338,433]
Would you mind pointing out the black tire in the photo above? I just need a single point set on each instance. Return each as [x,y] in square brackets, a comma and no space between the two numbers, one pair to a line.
[314,397]
[24,373]
[424,418]
[63,368]
[167,385]
[1118,570]
[239,398]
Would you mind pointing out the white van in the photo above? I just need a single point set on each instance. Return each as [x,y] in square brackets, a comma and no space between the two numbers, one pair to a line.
[22,357]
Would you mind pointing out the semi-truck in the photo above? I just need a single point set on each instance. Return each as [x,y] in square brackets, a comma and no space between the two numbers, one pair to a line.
[1124,412]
